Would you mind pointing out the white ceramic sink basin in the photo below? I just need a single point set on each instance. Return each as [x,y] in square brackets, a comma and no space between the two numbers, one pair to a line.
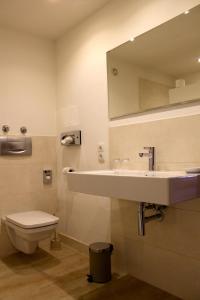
[142,186]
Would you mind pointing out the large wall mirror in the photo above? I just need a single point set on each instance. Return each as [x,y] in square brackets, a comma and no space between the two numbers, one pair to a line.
[158,69]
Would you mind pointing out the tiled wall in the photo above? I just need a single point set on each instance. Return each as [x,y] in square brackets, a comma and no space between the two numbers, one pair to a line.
[169,255]
[83,217]
[21,184]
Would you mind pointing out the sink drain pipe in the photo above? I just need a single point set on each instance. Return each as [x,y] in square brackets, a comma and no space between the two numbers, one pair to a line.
[158,214]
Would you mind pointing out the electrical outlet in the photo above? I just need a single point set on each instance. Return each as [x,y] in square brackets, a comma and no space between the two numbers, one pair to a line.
[100,147]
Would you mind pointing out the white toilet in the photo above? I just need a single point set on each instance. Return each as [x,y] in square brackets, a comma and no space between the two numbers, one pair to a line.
[26,229]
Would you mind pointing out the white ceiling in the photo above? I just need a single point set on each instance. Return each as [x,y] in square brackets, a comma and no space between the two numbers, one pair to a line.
[48,18]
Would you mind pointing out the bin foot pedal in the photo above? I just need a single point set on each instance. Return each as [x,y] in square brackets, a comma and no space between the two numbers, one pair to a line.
[89,278]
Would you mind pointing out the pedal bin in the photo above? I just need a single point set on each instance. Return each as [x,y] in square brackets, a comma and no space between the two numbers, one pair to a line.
[100,262]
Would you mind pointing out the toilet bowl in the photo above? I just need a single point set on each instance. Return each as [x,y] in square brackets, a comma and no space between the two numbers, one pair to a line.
[26,229]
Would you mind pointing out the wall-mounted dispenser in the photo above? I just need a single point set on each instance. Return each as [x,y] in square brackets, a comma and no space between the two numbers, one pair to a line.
[15,145]
[71,138]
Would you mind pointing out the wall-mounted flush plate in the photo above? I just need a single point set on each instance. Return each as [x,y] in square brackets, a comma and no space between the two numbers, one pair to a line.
[47,176]
[15,145]
[71,138]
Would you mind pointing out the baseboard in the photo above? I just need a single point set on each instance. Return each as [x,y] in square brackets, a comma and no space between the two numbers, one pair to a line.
[74,243]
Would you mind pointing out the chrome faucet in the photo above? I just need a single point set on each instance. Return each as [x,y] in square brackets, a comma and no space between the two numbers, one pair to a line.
[151,155]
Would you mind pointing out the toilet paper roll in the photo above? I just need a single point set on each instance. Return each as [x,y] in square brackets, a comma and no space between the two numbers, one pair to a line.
[67,140]
[67,170]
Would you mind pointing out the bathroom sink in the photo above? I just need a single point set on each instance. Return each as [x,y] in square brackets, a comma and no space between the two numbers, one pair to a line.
[157,187]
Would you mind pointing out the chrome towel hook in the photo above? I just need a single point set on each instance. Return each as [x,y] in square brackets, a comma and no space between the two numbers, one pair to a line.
[5,128]
[23,130]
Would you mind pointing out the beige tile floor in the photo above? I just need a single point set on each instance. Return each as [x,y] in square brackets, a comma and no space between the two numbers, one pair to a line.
[61,274]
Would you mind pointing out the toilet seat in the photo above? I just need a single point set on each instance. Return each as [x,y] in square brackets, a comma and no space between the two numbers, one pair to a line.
[32,219]
[30,230]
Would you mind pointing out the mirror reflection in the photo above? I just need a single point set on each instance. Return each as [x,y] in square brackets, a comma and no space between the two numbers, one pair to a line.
[160,68]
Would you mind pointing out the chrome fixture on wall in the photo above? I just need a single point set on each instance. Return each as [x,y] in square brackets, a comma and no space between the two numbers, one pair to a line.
[158,214]
[23,130]
[115,71]
[71,138]
[151,155]
[5,128]
[47,176]
[15,145]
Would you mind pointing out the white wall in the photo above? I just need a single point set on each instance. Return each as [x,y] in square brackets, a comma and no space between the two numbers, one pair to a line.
[82,83]
[27,97]
[27,83]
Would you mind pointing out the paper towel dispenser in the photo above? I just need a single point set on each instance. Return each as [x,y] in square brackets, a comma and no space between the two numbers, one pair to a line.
[15,145]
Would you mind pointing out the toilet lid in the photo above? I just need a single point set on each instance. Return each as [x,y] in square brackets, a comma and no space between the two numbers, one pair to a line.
[32,219]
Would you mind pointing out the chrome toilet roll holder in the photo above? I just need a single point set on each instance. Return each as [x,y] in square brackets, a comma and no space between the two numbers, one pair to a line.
[71,138]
